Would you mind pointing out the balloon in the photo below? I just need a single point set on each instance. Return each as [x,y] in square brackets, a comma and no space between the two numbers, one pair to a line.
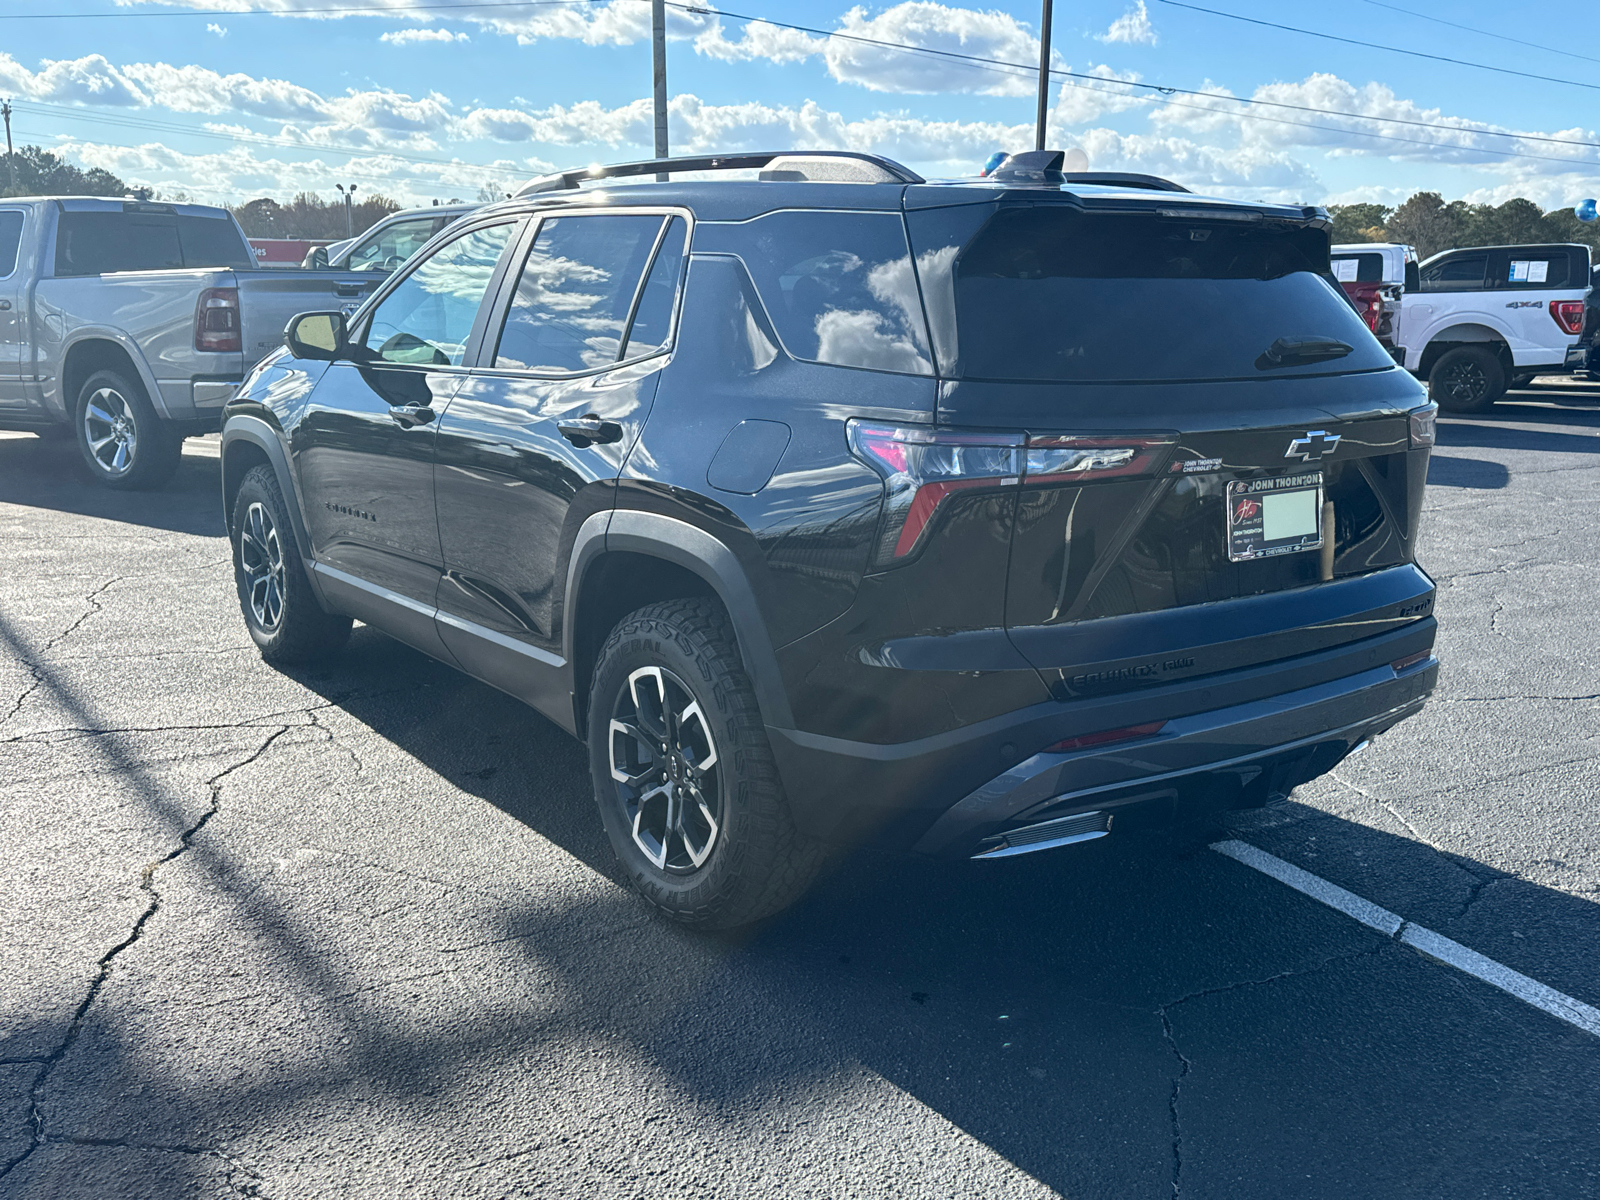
[993,161]
[1077,162]
[1584,210]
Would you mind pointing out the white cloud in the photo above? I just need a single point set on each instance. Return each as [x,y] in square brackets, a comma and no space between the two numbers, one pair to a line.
[936,27]
[220,30]
[1079,101]
[759,40]
[1447,139]
[1132,27]
[406,37]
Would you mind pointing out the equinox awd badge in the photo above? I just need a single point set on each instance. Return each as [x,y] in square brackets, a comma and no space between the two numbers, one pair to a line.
[1315,444]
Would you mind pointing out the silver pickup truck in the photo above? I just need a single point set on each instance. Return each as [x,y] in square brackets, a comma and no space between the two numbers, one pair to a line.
[127,324]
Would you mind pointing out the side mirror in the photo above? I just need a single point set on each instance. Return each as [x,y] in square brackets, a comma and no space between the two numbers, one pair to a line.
[317,335]
[319,258]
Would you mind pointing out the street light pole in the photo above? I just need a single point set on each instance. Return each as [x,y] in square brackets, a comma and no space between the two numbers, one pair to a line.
[658,56]
[1044,75]
[349,216]
[11,159]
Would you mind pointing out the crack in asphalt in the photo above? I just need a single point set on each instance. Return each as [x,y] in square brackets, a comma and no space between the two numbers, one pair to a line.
[1185,1065]
[334,739]
[1488,699]
[93,601]
[36,1119]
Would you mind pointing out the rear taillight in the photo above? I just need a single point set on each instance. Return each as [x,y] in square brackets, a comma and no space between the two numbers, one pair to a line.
[922,466]
[1372,312]
[216,321]
[1568,314]
[1424,426]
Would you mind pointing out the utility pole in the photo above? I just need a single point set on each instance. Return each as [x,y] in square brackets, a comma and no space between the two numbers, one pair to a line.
[658,56]
[11,158]
[1044,75]
[349,217]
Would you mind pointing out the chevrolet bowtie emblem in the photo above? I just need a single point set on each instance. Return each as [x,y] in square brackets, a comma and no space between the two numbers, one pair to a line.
[1313,446]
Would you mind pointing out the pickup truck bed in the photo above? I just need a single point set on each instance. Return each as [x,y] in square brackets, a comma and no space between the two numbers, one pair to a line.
[78,302]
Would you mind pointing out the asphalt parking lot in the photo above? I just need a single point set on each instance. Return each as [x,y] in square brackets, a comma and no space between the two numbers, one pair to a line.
[355,931]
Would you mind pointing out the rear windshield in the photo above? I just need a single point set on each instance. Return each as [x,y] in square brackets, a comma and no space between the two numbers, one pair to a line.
[1358,268]
[1049,293]
[96,243]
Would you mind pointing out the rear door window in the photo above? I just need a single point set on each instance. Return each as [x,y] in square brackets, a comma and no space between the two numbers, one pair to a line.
[10,240]
[427,319]
[97,243]
[1023,292]
[1458,273]
[575,293]
[212,242]
[1530,270]
[652,317]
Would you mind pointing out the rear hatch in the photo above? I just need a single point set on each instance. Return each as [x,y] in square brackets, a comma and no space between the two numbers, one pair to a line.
[1207,459]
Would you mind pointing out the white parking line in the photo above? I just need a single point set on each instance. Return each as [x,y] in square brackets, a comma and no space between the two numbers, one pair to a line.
[1435,945]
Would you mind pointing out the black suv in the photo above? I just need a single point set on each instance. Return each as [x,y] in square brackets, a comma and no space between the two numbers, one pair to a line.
[833,504]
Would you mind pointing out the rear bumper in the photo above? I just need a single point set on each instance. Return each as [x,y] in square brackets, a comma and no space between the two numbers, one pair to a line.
[1267,745]
[1256,726]
[1577,358]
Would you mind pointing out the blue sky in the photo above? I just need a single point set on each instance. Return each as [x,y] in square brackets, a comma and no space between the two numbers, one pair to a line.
[427,103]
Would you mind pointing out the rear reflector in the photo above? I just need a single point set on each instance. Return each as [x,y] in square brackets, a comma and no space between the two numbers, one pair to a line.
[1085,740]
[1411,660]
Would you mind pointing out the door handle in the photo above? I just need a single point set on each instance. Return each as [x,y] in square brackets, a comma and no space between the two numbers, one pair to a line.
[348,289]
[589,430]
[5,306]
[409,415]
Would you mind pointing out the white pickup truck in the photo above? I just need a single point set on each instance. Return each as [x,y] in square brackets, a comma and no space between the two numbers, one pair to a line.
[1488,317]
[127,324]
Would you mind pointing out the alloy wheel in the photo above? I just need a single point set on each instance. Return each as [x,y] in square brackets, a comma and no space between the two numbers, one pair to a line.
[664,763]
[261,563]
[111,432]
[1464,382]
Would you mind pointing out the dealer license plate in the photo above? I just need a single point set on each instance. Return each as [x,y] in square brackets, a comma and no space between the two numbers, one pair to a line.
[1274,516]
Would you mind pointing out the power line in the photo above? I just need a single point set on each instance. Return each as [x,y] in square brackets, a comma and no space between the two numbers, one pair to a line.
[1504,37]
[977,61]
[1333,37]
[352,9]
[1030,69]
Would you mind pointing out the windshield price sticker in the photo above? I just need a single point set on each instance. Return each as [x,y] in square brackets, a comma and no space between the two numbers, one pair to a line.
[1274,516]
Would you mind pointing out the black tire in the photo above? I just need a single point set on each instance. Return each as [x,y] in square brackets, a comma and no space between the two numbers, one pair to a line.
[752,861]
[1468,379]
[123,441]
[280,610]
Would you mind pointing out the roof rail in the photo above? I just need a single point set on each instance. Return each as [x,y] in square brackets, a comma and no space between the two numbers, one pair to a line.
[869,168]
[1122,179]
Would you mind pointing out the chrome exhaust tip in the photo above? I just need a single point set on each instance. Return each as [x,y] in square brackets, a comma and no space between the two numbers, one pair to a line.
[1046,835]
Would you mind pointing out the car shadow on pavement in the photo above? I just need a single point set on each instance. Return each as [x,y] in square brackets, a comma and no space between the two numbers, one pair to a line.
[52,475]
[1104,1017]
[1447,471]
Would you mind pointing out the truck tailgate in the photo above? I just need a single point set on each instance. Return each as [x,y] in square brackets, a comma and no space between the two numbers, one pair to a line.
[267,299]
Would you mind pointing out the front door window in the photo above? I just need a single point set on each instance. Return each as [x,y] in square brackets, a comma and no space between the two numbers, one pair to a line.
[427,320]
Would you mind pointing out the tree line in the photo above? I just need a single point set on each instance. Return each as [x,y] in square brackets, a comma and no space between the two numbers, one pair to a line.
[1430,224]
[307,215]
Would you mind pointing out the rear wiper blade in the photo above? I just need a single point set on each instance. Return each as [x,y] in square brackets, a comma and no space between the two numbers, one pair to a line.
[1290,352]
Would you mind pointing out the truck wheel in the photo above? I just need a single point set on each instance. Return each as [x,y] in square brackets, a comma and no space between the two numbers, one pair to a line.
[685,779]
[1468,379]
[124,442]
[283,616]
